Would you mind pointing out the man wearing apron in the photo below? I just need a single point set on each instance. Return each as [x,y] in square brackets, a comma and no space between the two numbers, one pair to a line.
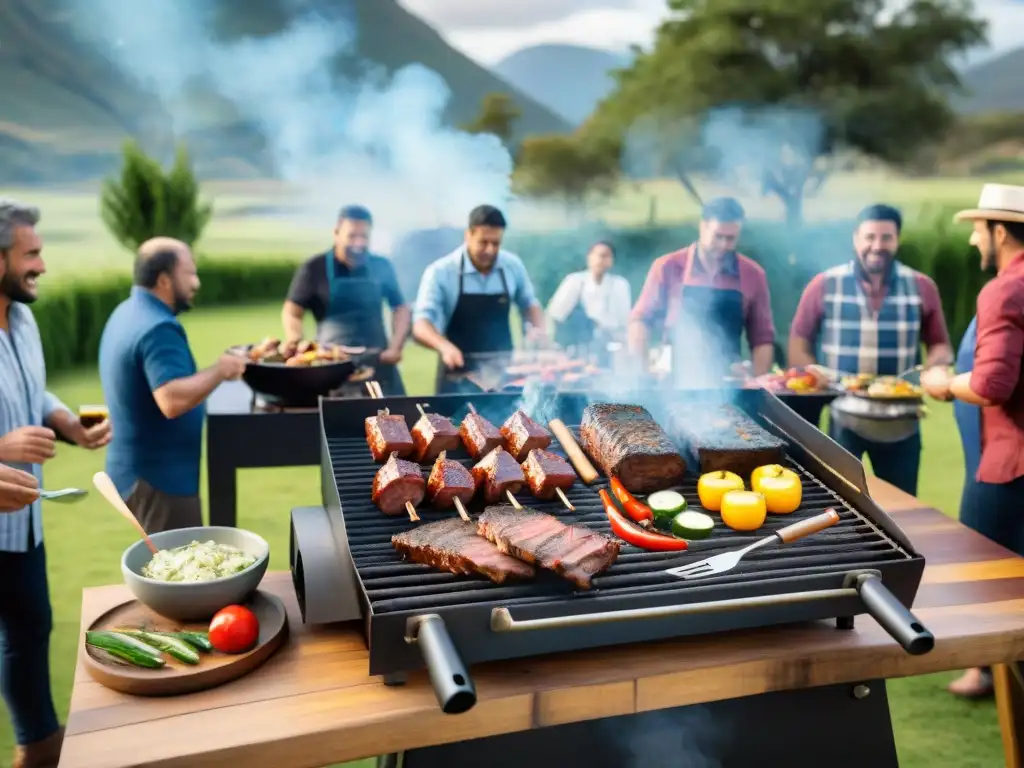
[345,289]
[871,316]
[703,298]
[462,310]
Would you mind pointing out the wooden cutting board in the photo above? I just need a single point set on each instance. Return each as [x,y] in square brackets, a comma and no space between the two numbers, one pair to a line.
[213,669]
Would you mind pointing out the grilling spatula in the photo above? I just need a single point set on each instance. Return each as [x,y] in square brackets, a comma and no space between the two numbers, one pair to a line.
[728,560]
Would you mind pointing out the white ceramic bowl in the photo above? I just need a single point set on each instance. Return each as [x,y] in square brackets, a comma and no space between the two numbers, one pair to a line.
[195,601]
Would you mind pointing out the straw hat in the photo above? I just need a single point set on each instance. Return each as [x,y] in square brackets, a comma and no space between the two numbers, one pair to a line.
[998,202]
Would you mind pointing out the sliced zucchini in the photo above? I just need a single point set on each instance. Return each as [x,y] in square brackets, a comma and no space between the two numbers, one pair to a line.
[666,505]
[692,525]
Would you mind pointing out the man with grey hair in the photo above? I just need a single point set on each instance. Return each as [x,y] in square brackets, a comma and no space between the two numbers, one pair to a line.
[31,420]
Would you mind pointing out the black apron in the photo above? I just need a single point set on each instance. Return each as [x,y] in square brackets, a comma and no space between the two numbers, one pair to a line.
[479,324]
[354,318]
[577,330]
[708,336]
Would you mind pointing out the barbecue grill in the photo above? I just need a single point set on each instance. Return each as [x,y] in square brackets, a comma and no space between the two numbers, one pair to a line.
[416,616]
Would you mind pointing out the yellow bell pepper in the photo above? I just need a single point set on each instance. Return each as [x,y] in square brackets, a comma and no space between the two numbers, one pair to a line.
[743,510]
[781,488]
[712,485]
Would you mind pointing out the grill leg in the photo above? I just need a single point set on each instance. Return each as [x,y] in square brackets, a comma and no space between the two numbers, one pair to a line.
[395,760]
[844,622]
[396,678]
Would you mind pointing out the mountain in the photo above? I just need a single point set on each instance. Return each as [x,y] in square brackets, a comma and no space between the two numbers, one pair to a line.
[994,85]
[568,79]
[67,108]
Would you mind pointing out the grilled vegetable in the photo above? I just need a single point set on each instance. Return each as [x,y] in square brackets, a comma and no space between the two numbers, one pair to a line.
[781,488]
[637,510]
[197,640]
[633,534]
[167,643]
[713,485]
[127,648]
[743,510]
[692,525]
[666,505]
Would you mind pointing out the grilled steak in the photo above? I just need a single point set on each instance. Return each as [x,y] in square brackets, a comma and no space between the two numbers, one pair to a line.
[453,545]
[496,473]
[572,551]
[397,482]
[546,471]
[479,436]
[626,442]
[433,434]
[522,434]
[723,437]
[447,480]
[387,434]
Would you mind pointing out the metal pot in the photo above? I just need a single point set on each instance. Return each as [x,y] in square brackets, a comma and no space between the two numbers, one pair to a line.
[879,418]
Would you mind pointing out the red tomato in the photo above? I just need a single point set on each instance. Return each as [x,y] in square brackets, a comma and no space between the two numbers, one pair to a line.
[234,629]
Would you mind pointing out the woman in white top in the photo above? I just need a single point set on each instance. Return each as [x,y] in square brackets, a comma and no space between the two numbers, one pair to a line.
[592,305]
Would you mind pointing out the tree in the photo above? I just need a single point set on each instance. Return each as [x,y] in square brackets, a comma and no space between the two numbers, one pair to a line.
[498,116]
[145,201]
[570,167]
[780,87]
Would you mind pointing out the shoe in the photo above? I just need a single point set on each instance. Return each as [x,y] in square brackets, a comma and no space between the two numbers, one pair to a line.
[973,684]
[40,754]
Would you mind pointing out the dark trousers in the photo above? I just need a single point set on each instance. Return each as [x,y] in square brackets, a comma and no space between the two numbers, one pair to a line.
[897,463]
[994,511]
[25,624]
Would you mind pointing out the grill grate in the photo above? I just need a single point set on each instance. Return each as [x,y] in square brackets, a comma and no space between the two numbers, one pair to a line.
[393,585]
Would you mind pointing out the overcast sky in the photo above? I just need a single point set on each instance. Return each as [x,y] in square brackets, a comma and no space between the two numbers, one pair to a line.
[489,30]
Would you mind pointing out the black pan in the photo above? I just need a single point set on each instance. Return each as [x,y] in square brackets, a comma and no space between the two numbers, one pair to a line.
[298,386]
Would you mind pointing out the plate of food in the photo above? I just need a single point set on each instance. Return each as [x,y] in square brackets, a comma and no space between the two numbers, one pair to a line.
[884,388]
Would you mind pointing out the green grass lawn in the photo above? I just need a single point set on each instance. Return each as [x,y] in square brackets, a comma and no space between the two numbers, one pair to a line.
[84,543]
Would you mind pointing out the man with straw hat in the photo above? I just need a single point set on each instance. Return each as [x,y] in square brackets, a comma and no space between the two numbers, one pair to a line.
[993,496]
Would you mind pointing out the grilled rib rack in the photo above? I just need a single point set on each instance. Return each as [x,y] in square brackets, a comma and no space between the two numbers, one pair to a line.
[863,564]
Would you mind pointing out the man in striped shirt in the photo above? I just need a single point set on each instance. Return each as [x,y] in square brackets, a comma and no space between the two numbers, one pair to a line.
[31,421]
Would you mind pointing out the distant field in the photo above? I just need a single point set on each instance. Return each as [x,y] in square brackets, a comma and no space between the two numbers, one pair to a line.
[254,219]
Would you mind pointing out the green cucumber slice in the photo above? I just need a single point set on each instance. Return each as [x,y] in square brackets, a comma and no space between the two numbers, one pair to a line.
[692,525]
[666,504]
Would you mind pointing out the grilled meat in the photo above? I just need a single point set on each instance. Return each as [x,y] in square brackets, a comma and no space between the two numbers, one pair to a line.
[387,434]
[448,480]
[453,545]
[723,437]
[479,436]
[432,434]
[572,551]
[546,471]
[626,442]
[522,434]
[496,473]
[397,482]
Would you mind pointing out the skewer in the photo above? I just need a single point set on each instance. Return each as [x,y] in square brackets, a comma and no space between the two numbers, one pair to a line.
[462,510]
[515,502]
[572,449]
[565,500]
[419,408]
[369,388]
[472,408]
[373,387]
[412,512]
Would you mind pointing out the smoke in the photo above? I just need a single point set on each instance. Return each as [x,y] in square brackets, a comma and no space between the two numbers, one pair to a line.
[689,737]
[377,140]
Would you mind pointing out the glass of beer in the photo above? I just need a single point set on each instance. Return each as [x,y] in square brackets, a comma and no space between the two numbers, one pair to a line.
[91,415]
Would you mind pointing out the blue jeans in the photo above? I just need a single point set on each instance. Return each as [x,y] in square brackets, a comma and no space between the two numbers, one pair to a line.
[25,624]
[994,511]
[897,463]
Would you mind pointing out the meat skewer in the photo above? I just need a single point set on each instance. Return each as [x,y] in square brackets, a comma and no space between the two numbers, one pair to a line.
[399,485]
[574,552]
[478,434]
[496,474]
[450,483]
[433,434]
[387,434]
[454,546]
[522,434]
[547,474]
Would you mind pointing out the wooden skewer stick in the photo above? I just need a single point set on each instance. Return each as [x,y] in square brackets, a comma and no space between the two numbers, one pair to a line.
[419,408]
[412,512]
[565,500]
[515,502]
[572,449]
[371,390]
[379,388]
[472,408]
[462,510]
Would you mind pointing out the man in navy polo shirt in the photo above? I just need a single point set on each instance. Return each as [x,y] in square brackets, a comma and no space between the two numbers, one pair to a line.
[155,394]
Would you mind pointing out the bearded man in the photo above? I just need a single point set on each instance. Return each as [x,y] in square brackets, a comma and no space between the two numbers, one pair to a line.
[154,392]
[871,315]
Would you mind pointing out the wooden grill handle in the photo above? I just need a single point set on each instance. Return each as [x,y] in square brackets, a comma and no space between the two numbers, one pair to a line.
[796,531]
[572,449]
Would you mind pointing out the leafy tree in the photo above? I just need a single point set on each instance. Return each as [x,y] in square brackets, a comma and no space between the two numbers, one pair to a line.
[145,201]
[779,88]
[498,116]
[570,167]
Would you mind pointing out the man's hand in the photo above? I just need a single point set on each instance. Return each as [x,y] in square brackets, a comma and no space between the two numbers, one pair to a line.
[17,489]
[231,367]
[935,381]
[451,356]
[95,436]
[390,356]
[28,445]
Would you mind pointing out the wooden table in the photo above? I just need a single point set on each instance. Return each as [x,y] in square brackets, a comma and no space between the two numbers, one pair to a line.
[313,703]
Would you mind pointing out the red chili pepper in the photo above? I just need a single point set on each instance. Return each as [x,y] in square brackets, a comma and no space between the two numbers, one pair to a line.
[638,537]
[636,509]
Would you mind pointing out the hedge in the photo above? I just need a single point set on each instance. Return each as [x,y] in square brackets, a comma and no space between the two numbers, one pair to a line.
[71,316]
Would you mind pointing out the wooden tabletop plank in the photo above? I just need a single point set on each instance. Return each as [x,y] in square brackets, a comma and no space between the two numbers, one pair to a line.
[313,703]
